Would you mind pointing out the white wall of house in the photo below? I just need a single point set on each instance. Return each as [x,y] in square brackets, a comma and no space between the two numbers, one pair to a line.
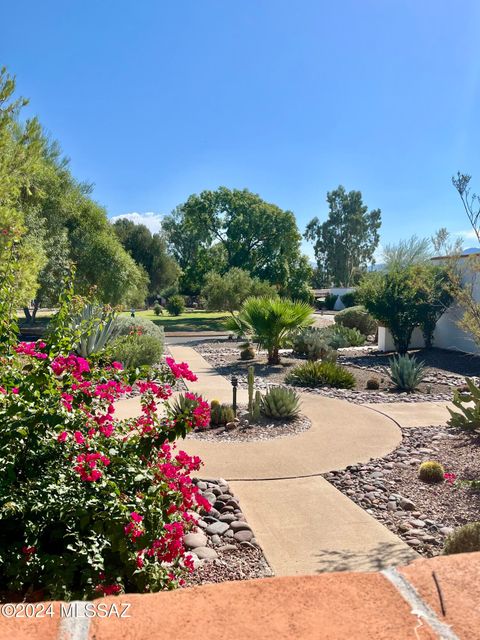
[340,291]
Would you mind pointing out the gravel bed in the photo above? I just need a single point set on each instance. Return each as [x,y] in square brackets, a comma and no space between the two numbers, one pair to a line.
[224,356]
[223,547]
[245,431]
[421,513]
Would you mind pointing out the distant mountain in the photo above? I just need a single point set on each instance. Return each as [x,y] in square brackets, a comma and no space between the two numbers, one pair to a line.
[466,252]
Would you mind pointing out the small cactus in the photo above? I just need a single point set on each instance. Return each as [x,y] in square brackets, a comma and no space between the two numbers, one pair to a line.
[251,381]
[257,405]
[279,402]
[431,471]
[215,412]
[373,384]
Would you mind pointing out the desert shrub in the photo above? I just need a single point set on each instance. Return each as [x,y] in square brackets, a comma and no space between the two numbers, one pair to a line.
[318,374]
[279,403]
[330,300]
[157,309]
[310,342]
[465,539]
[372,384]
[468,403]
[91,504]
[431,471]
[125,325]
[96,327]
[339,337]
[349,299]
[137,350]
[357,318]
[270,322]
[406,373]
[175,305]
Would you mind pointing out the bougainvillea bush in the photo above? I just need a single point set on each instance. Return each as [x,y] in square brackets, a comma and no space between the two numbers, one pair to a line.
[90,504]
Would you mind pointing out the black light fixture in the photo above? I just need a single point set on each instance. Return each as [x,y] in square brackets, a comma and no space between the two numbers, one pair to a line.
[234,381]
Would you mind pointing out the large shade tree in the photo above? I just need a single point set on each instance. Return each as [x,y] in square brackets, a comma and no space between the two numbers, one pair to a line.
[344,244]
[218,230]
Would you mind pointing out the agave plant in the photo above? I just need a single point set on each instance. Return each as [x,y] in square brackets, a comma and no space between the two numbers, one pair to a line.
[271,322]
[279,402]
[96,327]
[406,373]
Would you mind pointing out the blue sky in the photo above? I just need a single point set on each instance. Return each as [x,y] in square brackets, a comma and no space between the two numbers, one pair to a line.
[155,100]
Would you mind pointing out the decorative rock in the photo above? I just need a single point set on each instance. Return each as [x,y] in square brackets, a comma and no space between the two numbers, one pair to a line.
[217,528]
[227,547]
[227,517]
[215,540]
[228,534]
[446,531]
[206,553]
[231,425]
[193,540]
[240,526]
[406,504]
[202,485]
[243,536]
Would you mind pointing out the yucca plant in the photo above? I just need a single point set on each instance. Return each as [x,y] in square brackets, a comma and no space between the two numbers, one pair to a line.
[468,403]
[271,322]
[319,374]
[279,403]
[406,373]
[96,325]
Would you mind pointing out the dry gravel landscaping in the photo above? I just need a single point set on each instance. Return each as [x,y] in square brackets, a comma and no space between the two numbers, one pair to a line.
[421,513]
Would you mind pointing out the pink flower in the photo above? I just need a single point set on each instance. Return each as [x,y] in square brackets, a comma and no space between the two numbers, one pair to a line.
[79,439]
[181,370]
[15,390]
[450,477]
[117,365]
[136,517]
[62,437]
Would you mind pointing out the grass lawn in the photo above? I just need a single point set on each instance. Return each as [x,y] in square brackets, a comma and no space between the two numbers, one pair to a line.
[188,321]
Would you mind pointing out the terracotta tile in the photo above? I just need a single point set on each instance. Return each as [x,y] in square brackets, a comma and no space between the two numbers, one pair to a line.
[459,579]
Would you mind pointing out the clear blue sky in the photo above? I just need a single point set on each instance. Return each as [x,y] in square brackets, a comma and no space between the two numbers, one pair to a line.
[155,100]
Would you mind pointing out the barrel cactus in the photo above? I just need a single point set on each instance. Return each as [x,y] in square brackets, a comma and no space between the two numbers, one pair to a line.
[431,471]
[279,403]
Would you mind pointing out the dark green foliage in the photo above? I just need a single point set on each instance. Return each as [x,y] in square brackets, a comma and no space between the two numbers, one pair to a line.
[465,539]
[406,373]
[345,243]
[158,310]
[468,403]
[229,291]
[175,305]
[311,342]
[349,299]
[330,300]
[357,318]
[280,403]
[431,471]
[319,374]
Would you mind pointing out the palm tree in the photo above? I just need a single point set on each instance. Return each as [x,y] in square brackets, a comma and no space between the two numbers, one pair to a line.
[270,322]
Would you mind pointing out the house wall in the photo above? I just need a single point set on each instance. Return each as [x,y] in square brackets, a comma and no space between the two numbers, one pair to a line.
[340,291]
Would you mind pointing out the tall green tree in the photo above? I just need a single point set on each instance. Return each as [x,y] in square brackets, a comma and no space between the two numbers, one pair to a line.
[345,243]
[229,291]
[226,228]
[149,251]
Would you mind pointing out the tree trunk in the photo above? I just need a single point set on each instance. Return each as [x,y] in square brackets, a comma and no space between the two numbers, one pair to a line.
[28,315]
[273,356]
[36,305]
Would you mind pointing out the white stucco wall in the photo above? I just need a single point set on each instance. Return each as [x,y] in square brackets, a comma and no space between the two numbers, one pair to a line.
[340,291]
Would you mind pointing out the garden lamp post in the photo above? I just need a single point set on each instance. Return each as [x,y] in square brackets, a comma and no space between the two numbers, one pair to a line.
[234,381]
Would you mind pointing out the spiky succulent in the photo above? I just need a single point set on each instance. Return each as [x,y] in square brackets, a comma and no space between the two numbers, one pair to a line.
[280,402]
[406,373]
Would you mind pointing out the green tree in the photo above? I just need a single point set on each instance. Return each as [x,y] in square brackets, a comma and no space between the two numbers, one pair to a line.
[221,229]
[229,291]
[149,251]
[346,241]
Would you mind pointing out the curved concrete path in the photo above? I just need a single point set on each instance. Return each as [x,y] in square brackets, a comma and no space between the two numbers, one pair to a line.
[302,522]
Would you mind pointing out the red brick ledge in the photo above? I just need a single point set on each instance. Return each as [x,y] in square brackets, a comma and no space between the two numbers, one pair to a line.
[429,599]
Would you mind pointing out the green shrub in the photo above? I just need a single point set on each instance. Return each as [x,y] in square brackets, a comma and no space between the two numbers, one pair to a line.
[349,299]
[465,539]
[310,342]
[357,318]
[137,350]
[318,374]
[340,337]
[279,403]
[431,471]
[157,309]
[330,300]
[406,373]
[469,418]
[125,325]
[373,384]
[175,305]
